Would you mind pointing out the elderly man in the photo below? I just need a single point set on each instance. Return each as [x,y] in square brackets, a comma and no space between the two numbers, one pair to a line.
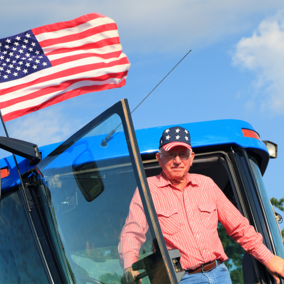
[189,207]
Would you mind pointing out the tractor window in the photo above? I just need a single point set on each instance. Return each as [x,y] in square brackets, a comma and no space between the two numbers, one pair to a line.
[214,166]
[267,207]
[85,187]
[19,258]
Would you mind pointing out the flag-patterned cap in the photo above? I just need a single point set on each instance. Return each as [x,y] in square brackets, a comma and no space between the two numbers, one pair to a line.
[175,136]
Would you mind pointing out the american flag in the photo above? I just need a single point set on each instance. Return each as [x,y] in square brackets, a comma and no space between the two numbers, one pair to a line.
[53,63]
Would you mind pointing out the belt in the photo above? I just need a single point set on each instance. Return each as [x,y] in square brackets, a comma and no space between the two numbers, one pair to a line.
[205,267]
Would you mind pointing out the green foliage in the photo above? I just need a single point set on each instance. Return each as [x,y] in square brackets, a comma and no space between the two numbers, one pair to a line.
[278,203]
[114,278]
[109,278]
[237,276]
[235,253]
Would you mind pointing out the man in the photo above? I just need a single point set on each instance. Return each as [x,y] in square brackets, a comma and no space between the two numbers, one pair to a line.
[189,207]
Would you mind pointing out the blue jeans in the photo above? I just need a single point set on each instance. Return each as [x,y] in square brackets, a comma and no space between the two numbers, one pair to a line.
[218,275]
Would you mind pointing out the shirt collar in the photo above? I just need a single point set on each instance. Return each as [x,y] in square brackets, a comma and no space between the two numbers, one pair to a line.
[164,181]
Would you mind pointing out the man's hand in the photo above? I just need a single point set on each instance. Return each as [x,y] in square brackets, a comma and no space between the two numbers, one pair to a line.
[276,268]
[129,277]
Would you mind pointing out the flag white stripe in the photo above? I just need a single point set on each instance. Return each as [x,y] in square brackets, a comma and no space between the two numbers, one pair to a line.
[81,42]
[42,99]
[35,88]
[61,67]
[102,50]
[77,29]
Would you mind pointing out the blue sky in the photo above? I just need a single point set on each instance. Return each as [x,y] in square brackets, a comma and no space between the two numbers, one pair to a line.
[235,69]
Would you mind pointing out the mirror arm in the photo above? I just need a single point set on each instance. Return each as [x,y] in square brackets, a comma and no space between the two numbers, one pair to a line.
[21,148]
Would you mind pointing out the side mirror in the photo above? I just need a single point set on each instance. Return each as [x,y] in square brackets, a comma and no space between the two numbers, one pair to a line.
[272,148]
[88,176]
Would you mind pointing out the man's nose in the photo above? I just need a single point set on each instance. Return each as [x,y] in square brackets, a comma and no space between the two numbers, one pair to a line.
[177,159]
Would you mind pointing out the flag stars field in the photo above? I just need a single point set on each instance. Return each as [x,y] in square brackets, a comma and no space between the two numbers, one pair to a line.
[17,45]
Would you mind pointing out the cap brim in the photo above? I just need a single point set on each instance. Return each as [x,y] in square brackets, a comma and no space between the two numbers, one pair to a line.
[171,145]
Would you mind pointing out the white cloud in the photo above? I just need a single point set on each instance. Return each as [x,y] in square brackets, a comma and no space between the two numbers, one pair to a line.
[160,25]
[151,26]
[43,127]
[263,53]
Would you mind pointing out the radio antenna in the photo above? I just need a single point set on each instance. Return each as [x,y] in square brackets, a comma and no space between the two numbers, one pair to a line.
[104,142]
[161,82]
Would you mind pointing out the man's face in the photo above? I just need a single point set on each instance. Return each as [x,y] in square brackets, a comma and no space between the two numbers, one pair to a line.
[175,162]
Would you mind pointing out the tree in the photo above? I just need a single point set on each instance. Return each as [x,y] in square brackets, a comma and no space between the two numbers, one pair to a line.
[235,253]
[109,278]
[280,205]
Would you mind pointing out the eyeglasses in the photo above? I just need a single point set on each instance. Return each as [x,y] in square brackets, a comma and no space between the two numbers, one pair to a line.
[172,156]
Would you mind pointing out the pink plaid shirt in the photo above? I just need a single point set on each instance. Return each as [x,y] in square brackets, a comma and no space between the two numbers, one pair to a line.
[189,219]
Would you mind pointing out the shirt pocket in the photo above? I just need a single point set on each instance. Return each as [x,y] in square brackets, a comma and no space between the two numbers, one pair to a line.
[208,215]
[169,220]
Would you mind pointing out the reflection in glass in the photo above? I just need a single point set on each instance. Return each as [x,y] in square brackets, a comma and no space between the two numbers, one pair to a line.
[19,258]
[267,207]
[235,254]
[87,191]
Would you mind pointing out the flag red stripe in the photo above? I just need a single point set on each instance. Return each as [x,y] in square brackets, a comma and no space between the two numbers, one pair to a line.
[60,98]
[78,36]
[66,25]
[84,55]
[64,73]
[93,45]
[60,87]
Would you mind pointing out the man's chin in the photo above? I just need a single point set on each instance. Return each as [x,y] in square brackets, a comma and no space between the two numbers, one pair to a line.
[177,176]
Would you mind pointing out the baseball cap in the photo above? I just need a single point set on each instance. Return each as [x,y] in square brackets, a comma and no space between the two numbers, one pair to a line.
[175,136]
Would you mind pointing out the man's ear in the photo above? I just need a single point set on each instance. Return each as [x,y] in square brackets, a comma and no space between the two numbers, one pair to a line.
[192,157]
[158,157]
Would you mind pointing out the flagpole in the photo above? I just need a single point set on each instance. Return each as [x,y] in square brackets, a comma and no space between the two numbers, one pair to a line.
[17,166]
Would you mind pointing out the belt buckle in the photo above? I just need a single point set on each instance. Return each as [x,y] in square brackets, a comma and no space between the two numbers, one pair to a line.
[202,266]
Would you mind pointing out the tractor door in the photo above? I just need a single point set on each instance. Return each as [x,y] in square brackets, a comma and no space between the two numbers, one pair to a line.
[82,192]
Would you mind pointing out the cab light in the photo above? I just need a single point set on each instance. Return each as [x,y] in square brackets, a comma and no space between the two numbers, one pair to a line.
[272,148]
[4,172]
[250,133]
[38,171]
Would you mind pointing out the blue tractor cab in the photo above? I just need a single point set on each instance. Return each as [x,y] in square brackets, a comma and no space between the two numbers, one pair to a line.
[62,218]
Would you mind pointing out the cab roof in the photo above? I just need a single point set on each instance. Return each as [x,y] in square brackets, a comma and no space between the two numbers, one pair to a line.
[203,134]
